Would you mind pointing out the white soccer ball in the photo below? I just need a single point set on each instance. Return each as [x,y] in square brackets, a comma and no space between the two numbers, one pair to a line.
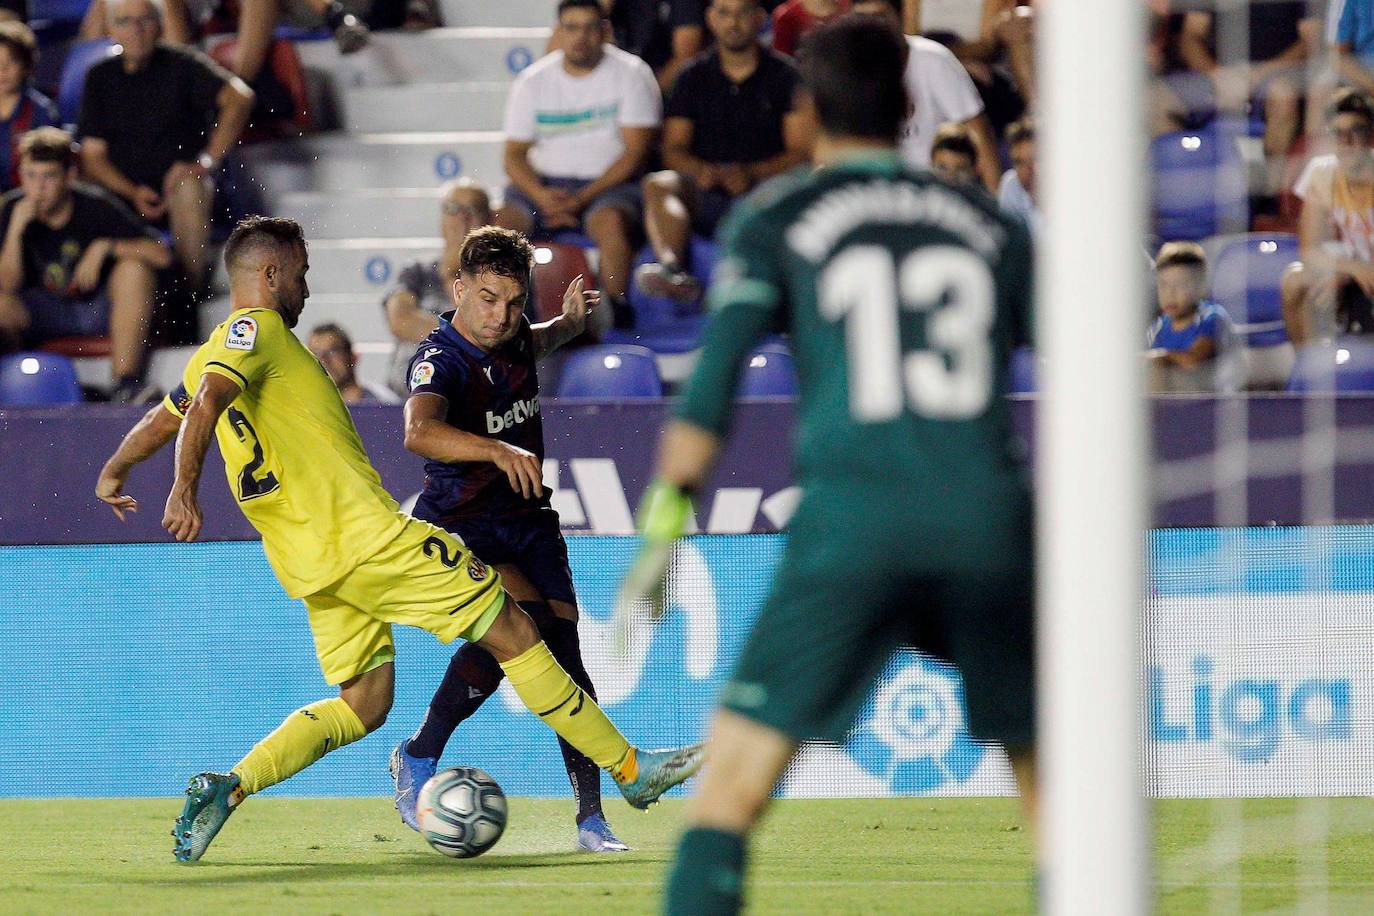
[462,812]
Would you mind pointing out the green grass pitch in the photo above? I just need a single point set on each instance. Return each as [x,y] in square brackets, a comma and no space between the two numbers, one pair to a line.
[947,856]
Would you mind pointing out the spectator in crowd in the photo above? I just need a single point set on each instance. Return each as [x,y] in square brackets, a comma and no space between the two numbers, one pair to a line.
[730,122]
[990,38]
[334,349]
[1282,36]
[145,125]
[1017,190]
[255,21]
[74,261]
[940,90]
[953,156]
[1327,289]
[665,35]
[22,108]
[580,126]
[1192,343]
[423,291]
[795,18]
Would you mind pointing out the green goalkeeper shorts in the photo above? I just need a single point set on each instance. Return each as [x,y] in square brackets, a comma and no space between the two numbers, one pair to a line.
[858,581]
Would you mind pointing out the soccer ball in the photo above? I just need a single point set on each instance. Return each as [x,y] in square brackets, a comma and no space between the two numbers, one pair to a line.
[462,812]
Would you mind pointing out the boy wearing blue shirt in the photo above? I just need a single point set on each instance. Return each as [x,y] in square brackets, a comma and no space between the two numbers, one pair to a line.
[1192,336]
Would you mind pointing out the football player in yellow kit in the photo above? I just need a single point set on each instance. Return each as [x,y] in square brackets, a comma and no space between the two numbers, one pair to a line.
[336,539]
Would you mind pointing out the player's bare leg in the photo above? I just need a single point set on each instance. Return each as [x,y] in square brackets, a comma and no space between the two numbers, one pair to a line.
[747,759]
[549,692]
[303,737]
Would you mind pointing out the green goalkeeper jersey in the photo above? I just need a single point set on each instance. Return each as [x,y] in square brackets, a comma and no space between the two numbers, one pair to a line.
[904,297]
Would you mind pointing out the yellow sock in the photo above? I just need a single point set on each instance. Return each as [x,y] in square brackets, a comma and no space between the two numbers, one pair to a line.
[551,694]
[304,737]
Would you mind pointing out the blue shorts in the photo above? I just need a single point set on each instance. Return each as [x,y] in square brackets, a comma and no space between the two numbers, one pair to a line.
[530,542]
[626,197]
[51,315]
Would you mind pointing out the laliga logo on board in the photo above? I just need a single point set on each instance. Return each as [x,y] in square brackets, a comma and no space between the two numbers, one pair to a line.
[916,738]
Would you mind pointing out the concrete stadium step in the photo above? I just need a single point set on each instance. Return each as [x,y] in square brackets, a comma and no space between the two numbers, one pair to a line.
[504,13]
[423,106]
[391,213]
[365,267]
[434,56]
[347,162]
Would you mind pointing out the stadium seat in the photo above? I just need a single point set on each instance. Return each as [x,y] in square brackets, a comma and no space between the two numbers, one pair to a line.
[1245,281]
[1199,184]
[610,372]
[770,372]
[1345,366]
[37,379]
[80,57]
[555,266]
[1021,373]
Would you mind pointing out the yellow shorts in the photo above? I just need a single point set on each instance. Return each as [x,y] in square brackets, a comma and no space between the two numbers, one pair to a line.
[425,578]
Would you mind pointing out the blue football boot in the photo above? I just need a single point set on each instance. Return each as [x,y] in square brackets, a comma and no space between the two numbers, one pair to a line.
[209,802]
[410,774]
[659,771]
[595,835]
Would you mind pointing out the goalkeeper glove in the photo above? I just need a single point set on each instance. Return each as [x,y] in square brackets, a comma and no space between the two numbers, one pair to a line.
[662,520]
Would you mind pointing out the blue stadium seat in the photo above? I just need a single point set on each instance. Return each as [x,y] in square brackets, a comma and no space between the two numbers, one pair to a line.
[663,325]
[770,372]
[1347,365]
[80,57]
[58,10]
[38,379]
[1021,372]
[612,372]
[1199,184]
[1245,281]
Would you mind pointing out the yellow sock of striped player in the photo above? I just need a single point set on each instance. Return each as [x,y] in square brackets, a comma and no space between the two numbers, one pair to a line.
[550,693]
[304,737]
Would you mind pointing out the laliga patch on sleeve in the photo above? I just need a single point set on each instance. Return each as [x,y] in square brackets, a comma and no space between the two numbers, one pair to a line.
[421,374]
[242,334]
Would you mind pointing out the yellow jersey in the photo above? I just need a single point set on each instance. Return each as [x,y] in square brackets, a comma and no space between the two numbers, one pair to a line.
[293,458]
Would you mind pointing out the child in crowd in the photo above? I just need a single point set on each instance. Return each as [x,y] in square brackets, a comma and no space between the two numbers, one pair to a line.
[1192,343]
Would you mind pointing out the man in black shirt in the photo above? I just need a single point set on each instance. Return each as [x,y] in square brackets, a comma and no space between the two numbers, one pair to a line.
[146,127]
[74,261]
[730,122]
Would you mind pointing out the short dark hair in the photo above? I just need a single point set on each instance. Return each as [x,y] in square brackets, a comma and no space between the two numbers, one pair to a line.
[258,232]
[853,69]
[492,249]
[1022,131]
[1349,100]
[331,328]
[48,144]
[955,138]
[896,5]
[1181,254]
[23,45]
[565,5]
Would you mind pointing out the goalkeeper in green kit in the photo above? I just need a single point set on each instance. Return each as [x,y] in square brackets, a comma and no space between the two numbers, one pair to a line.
[903,297]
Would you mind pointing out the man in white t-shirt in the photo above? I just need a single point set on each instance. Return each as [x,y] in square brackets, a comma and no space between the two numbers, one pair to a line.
[1332,287]
[1017,190]
[580,124]
[940,92]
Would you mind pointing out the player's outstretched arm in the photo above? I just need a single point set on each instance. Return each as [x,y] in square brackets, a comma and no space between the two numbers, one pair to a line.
[154,429]
[578,303]
[215,393]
